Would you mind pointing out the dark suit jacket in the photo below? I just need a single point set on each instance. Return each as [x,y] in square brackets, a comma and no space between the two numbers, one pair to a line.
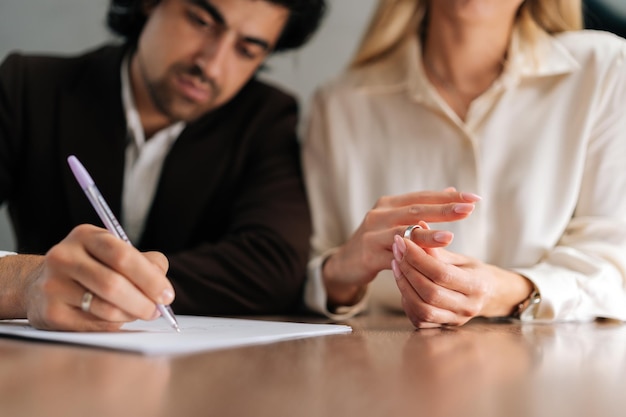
[230,210]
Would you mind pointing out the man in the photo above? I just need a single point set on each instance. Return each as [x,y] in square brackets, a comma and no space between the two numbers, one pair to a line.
[196,157]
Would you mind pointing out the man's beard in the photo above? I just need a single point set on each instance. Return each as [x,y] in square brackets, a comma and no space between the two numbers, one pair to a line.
[170,103]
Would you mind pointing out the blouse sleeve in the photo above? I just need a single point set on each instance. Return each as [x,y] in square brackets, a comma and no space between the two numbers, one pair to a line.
[328,230]
[584,276]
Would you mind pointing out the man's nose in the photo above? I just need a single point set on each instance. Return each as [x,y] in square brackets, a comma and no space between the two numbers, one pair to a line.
[214,56]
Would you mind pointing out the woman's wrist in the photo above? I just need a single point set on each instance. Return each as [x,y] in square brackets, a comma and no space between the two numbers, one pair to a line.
[338,292]
[512,290]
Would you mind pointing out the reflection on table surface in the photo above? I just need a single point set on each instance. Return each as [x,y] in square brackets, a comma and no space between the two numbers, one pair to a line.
[384,368]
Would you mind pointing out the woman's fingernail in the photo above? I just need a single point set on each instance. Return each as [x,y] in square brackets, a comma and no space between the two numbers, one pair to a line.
[396,252]
[471,197]
[401,246]
[167,296]
[395,269]
[156,314]
[463,208]
[443,237]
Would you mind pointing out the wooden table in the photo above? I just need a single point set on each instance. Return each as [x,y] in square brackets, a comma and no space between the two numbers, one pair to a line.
[384,368]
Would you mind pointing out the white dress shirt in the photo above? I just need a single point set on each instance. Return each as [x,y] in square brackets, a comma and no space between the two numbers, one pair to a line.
[544,146]
[144,161]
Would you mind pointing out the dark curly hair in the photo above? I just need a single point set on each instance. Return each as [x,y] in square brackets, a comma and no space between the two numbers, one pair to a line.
[126,18]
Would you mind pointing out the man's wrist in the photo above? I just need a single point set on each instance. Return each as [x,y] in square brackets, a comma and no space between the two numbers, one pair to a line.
[17,274]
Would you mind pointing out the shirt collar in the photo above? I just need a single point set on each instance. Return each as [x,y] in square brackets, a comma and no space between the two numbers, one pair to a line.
[543,57]
[403,70]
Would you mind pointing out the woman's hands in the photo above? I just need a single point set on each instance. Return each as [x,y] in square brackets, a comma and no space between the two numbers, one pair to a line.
[368,251]
[439,287]
[126,284]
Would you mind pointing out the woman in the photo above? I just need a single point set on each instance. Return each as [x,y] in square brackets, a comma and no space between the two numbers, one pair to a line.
[514,119]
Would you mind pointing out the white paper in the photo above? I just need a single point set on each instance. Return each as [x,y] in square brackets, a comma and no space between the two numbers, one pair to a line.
[197,334]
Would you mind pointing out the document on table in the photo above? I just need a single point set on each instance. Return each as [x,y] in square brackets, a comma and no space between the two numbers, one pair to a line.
[197,334]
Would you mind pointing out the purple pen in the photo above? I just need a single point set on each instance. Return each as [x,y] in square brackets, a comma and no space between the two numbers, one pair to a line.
[108,218]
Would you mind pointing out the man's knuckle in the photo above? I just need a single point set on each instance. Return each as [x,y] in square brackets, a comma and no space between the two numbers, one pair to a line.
[110,287]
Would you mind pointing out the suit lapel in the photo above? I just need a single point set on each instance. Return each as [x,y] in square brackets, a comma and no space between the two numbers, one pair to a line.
[192,173]
[92,126]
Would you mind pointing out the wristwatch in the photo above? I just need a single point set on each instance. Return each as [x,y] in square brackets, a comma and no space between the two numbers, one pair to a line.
[527,308]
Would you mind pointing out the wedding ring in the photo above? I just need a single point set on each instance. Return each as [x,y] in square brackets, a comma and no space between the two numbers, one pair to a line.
[85,303]
[409,230]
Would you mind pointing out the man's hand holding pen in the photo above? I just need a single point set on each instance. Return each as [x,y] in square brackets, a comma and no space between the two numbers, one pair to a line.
[126,284]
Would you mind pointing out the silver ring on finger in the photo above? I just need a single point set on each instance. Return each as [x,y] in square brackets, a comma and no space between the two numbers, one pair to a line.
[409,230]
[85,303]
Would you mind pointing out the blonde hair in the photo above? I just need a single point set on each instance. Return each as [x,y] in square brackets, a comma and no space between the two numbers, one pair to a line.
[396,20]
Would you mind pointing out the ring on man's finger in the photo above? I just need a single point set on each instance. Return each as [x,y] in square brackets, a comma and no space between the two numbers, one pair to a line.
[85,303]
[409,230]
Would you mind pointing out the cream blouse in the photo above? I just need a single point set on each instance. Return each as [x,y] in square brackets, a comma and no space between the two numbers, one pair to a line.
[545,146]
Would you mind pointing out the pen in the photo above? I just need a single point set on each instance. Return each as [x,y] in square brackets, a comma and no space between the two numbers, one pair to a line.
[109,220]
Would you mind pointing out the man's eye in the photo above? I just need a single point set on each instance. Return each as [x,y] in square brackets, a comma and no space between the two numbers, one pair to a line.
[246,53]
[199,21]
